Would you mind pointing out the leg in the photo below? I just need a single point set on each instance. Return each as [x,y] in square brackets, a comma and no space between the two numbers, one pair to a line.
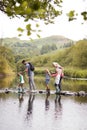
[60,83]
[32,82]
[22,87]
[57,88]
[19,85]
[30,85]
[47,85]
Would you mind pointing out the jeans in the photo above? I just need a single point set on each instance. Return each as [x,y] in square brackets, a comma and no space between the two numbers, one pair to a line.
[31,82]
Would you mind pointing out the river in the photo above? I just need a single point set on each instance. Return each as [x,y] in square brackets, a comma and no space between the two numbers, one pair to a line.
[31,111]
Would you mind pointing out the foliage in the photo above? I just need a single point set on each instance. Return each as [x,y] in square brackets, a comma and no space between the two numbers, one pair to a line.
[48,48]
[5,68]
[7,61]
[7,81]
[75,72]
[7,54]
[31,10]
[35,10]
[73,59]
[18,57]
[28,48]
[76,56]
[74,85]
[81,53]
[71,15]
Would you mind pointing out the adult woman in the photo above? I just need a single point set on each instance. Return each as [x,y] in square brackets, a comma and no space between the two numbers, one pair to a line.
[58,74]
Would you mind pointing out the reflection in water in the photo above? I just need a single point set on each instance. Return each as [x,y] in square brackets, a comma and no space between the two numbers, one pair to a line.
[64,114]
[74,85]
[21,98]
[58,99]
[47,101]
[80,99]
[6,82]
[58,105]
[30,105]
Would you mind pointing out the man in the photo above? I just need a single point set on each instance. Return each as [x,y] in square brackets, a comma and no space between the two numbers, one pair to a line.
[30,74]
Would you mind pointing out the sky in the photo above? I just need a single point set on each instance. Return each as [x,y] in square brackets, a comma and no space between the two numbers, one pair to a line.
[73,30]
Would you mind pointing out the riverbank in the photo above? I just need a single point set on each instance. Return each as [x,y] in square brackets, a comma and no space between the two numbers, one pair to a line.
[69,73]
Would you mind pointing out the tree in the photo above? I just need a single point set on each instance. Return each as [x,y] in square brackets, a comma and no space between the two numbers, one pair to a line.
[53,47]
[31,10]
[48,48]
[45,10]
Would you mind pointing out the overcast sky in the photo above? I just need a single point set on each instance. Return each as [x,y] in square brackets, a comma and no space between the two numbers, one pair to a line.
[73,30]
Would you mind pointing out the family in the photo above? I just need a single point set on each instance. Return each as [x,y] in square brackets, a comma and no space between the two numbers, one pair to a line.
[58,75]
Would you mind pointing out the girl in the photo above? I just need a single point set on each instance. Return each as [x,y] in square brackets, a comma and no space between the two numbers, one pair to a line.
[20,85]
[47,80]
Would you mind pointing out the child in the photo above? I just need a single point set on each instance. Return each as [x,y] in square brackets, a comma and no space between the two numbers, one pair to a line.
[20,85]
[47,80]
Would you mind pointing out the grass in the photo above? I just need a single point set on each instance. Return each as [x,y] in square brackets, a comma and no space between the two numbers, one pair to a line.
[67,85]
[70,72]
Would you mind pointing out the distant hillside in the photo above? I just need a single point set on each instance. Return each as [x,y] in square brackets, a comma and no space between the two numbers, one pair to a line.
[74,56]
[73,60]
[32,48]
[60,41]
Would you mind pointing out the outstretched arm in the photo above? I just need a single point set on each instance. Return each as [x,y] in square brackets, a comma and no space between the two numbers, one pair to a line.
[54,74]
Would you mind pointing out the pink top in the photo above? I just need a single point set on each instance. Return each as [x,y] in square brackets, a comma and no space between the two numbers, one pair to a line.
[59,71]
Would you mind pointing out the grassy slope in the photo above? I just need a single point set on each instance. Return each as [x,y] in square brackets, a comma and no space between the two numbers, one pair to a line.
[73,59]
[23,48]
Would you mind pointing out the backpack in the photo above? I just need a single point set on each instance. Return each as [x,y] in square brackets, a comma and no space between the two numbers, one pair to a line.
[32,68]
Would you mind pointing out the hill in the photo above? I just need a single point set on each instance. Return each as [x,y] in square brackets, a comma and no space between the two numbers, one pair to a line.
[74,56]
[73,59]
[20,49]
[60,41]
[33,47]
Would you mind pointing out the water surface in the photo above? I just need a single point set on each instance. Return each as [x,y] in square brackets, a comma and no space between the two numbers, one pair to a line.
[42,112]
